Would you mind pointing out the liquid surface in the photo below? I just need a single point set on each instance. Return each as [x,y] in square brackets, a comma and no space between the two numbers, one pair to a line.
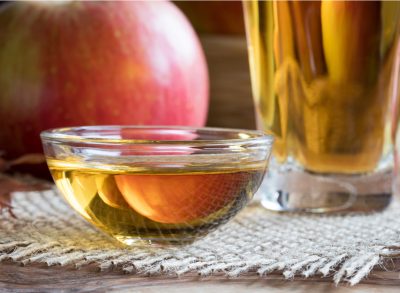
[322,79]
[174,206]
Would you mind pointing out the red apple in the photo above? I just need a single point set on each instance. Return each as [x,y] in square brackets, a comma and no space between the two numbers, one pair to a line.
[67,63]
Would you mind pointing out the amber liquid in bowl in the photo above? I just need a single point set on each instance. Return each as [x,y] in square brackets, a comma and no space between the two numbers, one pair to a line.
[173,205]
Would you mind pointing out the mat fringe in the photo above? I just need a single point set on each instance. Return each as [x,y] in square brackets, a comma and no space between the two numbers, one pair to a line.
[345,248]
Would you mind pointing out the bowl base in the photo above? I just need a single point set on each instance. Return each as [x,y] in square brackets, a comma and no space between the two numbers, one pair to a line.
[153,242]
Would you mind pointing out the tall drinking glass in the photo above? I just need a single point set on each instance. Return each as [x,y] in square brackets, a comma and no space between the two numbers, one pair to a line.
[323,76]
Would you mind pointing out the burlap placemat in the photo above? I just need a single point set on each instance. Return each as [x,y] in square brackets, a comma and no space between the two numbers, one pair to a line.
[345,248]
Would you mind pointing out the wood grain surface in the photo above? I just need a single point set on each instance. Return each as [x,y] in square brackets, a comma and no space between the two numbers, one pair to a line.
[231,103]
[39,278]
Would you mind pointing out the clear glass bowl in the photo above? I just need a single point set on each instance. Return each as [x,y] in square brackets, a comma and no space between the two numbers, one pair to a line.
[156,184]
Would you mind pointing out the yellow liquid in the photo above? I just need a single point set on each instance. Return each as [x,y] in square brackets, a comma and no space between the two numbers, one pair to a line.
[321,77]
[172,206]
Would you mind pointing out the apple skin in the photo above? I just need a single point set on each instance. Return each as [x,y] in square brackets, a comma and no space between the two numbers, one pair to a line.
[177,199]
[96,63]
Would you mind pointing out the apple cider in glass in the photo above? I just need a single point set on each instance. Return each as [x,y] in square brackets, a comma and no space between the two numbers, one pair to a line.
[153,203]
[323,74]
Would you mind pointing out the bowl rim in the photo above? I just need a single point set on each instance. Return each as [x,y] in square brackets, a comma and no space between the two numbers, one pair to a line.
[61,135]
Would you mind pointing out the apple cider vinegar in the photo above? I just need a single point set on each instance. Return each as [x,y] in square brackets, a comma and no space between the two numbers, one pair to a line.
[156,204]
[324,80]
[156,184]
[321,73]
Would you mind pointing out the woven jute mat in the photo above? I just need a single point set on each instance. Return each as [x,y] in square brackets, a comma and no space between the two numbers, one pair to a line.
[345,248]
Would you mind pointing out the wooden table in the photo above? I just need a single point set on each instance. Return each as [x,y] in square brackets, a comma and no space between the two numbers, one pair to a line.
[230,106]
[34,278]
